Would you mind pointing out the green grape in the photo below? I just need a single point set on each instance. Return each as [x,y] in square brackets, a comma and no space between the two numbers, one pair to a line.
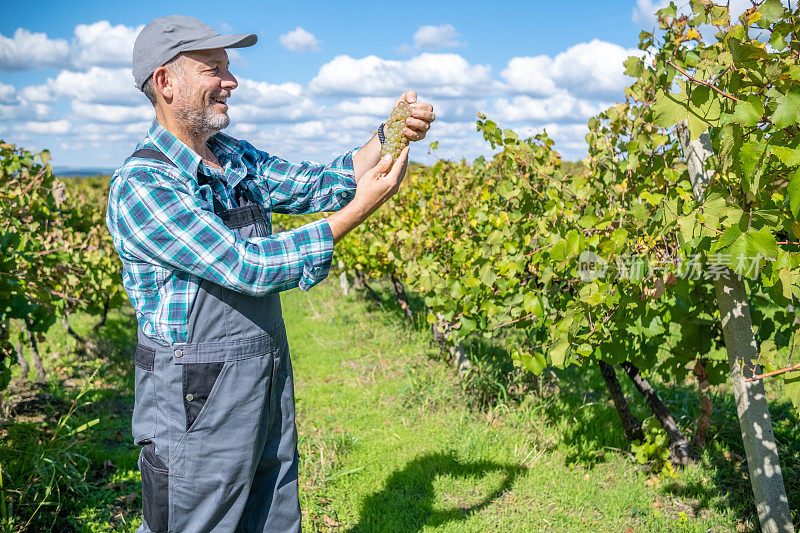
[395,140]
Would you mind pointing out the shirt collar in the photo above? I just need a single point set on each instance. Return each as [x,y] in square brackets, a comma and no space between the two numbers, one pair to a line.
[228,153]
[184,157]
[189,161]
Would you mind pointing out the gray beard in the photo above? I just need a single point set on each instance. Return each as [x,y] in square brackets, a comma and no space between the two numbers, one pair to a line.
[201,123]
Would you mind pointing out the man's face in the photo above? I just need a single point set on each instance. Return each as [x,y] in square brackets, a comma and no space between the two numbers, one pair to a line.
[203,84]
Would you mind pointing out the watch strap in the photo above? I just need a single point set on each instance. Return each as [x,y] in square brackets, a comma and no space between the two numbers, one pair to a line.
[381,137]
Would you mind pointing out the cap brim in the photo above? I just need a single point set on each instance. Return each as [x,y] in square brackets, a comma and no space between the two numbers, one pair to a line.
[240,40]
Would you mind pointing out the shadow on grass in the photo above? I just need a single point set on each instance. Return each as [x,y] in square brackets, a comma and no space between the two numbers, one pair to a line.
[406,503]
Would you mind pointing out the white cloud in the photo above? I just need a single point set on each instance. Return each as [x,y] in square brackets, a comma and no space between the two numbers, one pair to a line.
[257,114]
[112,113]
[97,85]
[644,12]
[14,105]
[96,44]
[236,58]
[258,101]
[375,106]
[591,69]
[28,51]
[97,131]
[347,75]
[447,75]
[405,49]
[299,40]
[335,111]
[37,93]
[8,94]
[101,44]
[458,109]
[531,75]
[243,128]
[53,127]
[265,94]
[437,37]
[561,106]
[307,130]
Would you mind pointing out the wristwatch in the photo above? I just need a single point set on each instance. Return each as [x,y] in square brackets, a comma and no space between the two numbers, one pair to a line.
[381,138]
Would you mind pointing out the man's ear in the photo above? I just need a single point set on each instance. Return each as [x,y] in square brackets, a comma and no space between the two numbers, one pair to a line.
[164,83]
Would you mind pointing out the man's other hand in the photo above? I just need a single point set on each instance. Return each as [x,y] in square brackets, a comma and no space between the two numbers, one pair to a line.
[377,185]
[418,124]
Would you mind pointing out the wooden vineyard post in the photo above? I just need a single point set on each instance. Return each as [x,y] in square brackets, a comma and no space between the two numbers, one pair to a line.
[755,421]
[343,283]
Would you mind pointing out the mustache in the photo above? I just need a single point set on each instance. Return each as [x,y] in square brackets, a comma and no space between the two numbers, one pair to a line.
[223,94]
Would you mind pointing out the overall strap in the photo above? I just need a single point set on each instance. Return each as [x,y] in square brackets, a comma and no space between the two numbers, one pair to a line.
[149,153]
[158,155]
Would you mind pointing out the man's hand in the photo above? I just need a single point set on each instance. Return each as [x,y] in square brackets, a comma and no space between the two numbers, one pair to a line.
[418,124]
[377,185]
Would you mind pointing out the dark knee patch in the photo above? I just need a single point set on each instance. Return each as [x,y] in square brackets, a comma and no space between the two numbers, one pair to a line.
[155,490]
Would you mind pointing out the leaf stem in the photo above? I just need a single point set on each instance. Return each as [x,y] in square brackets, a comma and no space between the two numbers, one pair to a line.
[775,372]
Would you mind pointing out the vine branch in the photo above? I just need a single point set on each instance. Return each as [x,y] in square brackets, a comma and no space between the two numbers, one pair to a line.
[701,82]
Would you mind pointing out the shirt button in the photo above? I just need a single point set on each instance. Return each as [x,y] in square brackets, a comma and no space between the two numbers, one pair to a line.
[179,353]
[189,397]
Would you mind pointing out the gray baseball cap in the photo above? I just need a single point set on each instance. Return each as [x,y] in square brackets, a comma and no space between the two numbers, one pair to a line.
[166,37]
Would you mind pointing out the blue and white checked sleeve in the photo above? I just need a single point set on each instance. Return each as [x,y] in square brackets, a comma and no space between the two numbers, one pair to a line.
[163,221]
[300,188]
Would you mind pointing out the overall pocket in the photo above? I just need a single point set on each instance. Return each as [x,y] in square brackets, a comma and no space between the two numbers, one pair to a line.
[198,383]
[145,407]
[155,489]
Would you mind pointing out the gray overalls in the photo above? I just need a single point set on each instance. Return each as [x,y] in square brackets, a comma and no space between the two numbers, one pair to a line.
[216,414]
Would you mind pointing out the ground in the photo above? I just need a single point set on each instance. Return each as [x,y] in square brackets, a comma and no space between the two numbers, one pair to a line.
[390,439]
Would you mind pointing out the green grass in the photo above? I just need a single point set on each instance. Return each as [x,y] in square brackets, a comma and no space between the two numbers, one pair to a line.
[391,440]
[97,486]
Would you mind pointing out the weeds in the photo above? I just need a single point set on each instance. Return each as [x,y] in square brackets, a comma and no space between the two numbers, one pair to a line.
[42,470]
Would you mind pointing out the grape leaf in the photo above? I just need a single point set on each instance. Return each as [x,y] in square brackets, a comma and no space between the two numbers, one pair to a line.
[487,275]
[789,156]
[748,112]
[771,11]
[745,253]
[558,354]
[668,110]
[705,110]
[787,112]
[633,67]
[794,192]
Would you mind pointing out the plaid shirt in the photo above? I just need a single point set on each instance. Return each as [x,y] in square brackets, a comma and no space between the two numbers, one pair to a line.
[168,237]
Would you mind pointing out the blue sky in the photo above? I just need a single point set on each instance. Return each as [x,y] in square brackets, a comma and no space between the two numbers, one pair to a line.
[314,92]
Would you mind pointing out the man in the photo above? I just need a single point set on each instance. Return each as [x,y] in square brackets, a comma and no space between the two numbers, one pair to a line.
[190,213]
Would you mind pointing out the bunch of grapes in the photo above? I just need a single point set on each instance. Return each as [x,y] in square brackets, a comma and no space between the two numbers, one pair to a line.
[395,139]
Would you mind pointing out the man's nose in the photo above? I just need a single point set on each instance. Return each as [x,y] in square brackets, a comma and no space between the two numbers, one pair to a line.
[229,81]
